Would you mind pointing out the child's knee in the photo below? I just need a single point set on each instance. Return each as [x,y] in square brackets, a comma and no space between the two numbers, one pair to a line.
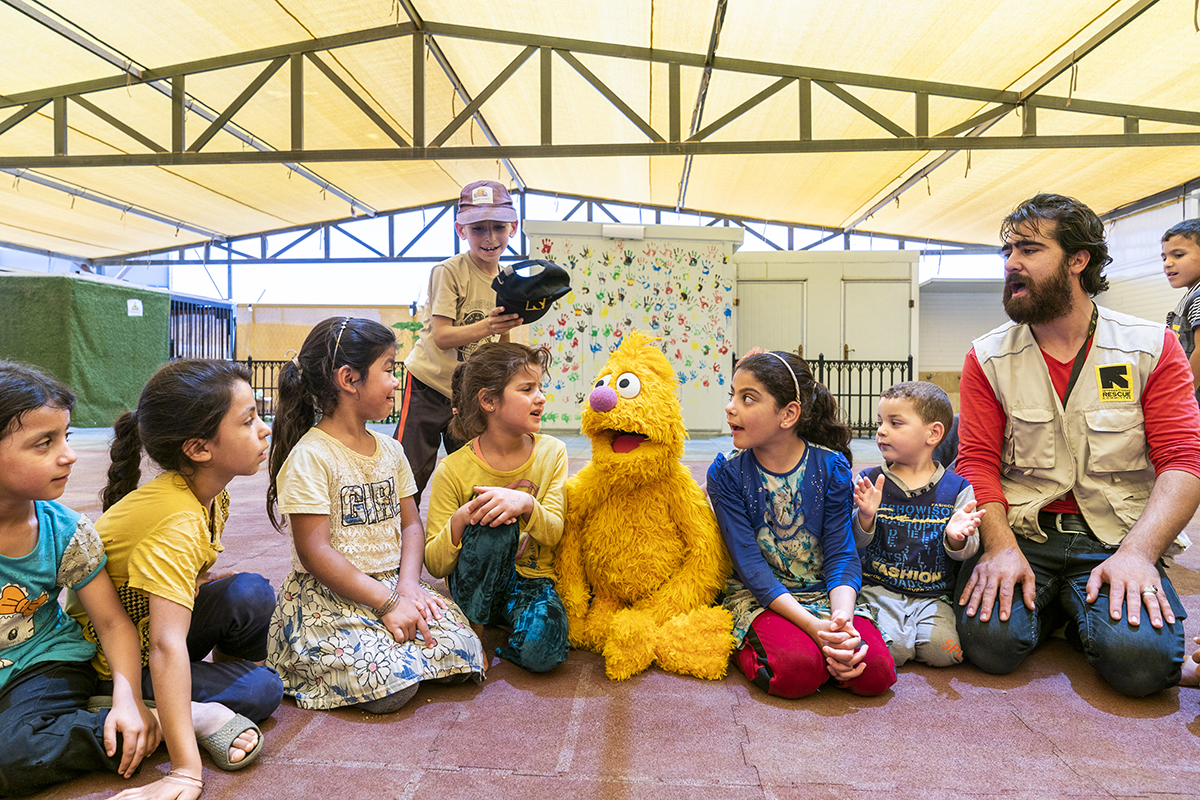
[940,651]
[783,672]
[545,642]
[249,601]
[261,693]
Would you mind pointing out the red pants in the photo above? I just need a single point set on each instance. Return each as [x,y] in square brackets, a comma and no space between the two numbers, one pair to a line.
[782,660]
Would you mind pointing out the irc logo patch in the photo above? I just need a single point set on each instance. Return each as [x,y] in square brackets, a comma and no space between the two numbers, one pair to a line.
[1115,382]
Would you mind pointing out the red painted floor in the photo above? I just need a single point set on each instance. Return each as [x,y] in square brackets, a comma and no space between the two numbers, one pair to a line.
[1051,730]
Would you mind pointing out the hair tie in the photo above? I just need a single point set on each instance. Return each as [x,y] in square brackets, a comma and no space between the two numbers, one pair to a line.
[791,371]
[296,360]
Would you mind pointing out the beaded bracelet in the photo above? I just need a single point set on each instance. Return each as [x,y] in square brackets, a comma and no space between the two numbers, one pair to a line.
[391,602]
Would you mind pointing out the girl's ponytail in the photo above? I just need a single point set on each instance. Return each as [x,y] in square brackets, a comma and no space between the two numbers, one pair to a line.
[295,413]
[468,420]
[821,423]
[125,452]
[186,399]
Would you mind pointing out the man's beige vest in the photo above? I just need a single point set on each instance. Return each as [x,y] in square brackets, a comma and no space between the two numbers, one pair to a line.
[1095,447]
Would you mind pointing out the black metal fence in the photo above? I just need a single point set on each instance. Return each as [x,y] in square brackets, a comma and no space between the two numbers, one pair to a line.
[856,386]
[264,380]
[200,329]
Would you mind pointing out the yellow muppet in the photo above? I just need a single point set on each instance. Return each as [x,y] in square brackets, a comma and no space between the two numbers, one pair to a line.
[641,558]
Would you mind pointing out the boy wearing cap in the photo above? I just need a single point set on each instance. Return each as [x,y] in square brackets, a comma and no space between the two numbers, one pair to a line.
[461,314]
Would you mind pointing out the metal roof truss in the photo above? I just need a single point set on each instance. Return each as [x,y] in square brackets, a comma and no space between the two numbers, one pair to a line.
[540,144]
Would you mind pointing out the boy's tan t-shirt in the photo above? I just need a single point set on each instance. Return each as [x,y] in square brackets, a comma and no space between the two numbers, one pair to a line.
[460,291]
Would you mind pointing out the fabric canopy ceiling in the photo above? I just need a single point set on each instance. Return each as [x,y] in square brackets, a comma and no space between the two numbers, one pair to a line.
[108,137]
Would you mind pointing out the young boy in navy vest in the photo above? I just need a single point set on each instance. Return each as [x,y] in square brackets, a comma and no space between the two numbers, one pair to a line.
[915,522]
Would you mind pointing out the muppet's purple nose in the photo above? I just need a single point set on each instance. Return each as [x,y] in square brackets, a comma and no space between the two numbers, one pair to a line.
[603,399]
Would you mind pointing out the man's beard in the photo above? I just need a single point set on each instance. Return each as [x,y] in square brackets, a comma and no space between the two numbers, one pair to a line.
[1044,301]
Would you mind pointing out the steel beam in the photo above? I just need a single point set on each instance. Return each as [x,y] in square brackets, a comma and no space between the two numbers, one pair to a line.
[472,108]
[709,130]
[989,118]
[714,38]
[354,97]
[225,116]
[168,256]
[423,28]
[635,149]
[65,28]
[112,202]
[60,26]
[612,97]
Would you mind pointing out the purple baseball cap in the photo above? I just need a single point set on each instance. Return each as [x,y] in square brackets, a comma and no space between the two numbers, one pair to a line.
[485,200]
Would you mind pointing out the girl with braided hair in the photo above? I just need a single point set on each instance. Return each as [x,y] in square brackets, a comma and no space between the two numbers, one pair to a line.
[197,420]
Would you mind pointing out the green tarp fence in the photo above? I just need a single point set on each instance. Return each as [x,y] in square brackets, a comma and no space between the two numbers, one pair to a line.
[87,334]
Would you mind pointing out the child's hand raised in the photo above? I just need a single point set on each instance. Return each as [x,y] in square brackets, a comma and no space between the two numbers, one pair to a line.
[497,506]
[867,497]
[842,646]
[963,524]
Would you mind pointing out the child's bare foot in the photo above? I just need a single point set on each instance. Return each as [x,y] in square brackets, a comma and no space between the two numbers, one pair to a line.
[1190,677]
[208,718]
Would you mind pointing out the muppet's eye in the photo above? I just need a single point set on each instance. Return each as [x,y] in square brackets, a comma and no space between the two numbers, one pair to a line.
[628,385]
[605,381]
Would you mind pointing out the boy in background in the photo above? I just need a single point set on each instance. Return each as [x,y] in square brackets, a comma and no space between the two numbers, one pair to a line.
[1181,263]
[461,315]
[913,536]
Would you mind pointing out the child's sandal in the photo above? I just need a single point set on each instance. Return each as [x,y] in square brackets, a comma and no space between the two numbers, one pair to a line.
[99,702]
[219,741]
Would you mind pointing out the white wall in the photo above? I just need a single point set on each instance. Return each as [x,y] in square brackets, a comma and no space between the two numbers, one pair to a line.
[953,312]
[1136,282]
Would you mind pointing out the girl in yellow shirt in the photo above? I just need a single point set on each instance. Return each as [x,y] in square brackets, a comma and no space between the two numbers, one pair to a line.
[497,505]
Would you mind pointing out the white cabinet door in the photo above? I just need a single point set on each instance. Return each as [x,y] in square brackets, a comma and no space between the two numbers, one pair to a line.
[876,320]
[771,315]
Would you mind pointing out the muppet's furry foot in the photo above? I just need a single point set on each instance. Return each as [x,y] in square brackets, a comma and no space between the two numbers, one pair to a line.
[697,643]
[630,646]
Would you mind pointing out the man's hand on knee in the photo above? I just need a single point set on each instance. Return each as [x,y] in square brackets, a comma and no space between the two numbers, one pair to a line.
[996,575]
[1133,580]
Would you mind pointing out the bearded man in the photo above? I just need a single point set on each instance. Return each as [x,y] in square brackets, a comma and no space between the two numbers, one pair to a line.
[1080,434]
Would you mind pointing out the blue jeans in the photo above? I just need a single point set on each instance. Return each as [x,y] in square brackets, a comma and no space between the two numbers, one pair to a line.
[232,616]
[486,585]
[1135,660]
[48,735]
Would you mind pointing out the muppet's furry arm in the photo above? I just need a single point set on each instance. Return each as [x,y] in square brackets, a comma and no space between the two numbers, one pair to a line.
[573,585]
[706,564]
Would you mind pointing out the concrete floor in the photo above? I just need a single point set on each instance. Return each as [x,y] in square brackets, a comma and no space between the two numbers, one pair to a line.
[1050,730]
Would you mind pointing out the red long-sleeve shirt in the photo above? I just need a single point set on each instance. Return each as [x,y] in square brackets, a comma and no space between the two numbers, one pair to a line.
[1172,422]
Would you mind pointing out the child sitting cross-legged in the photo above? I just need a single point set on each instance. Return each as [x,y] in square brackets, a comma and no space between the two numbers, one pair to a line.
[916,521]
